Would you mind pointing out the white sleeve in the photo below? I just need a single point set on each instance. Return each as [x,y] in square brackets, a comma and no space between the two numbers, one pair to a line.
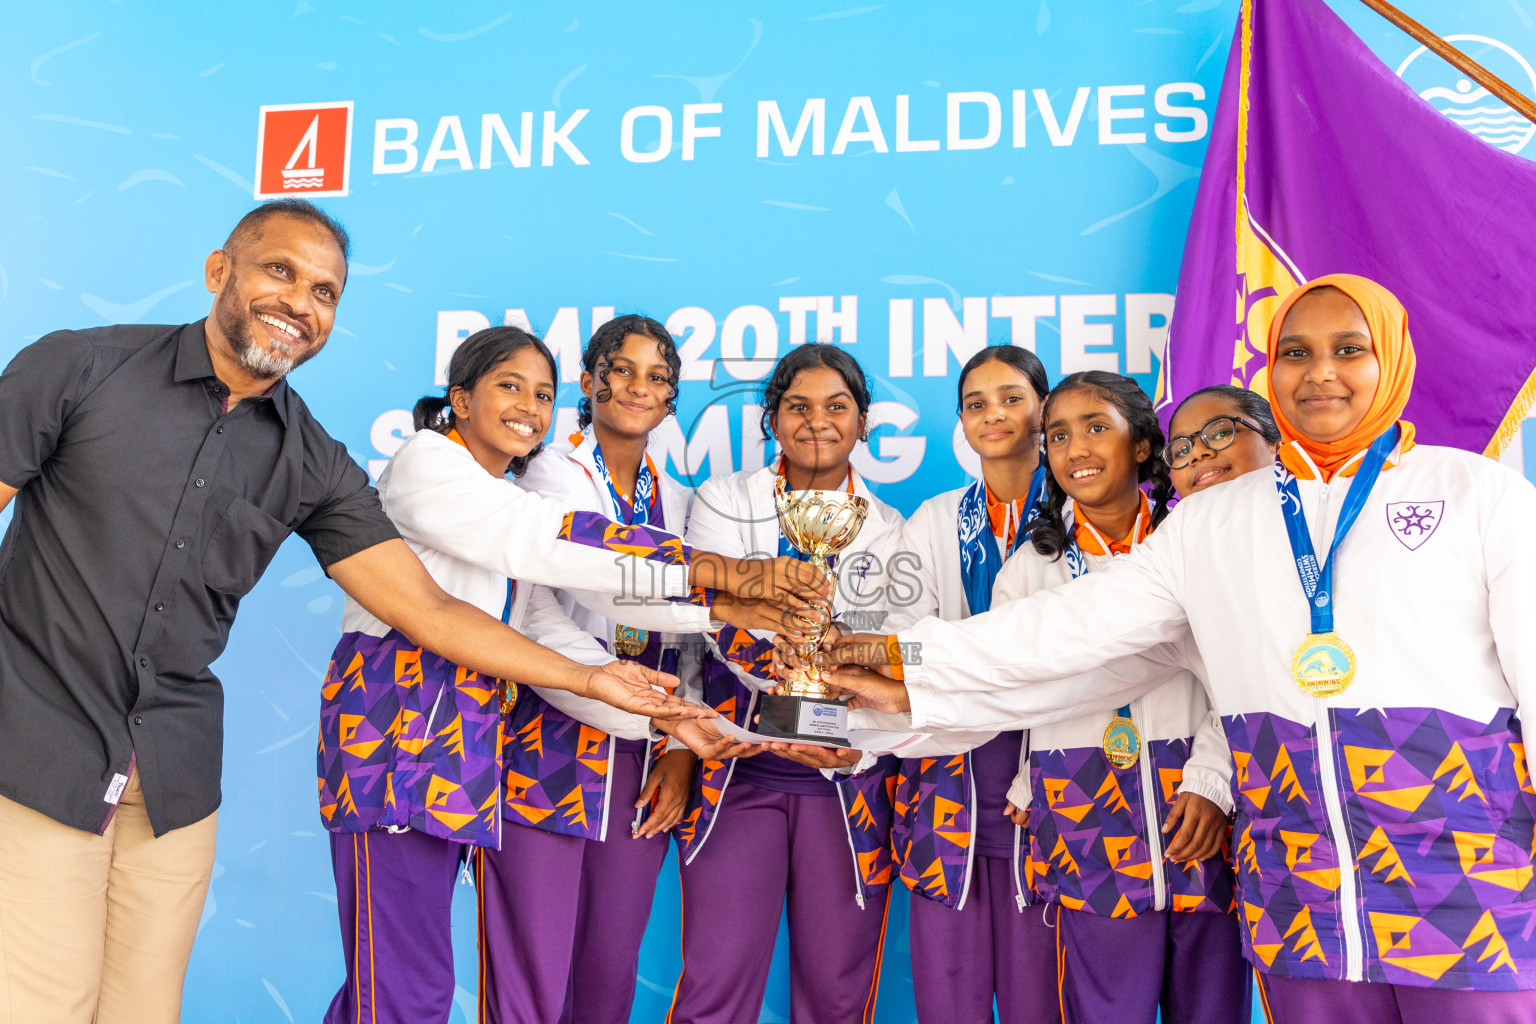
[1132,604]
[914,565]
[546,622]
[643,604]
[1021,791]
[1509,552]
[1208,772]
[711,527]
[1103,689]
[447,501]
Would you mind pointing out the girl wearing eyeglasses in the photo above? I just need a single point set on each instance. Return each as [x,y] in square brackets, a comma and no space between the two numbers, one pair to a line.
[1365,617]
[1219,433]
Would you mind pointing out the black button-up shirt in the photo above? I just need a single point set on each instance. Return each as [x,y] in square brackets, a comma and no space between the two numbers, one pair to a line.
[145,512]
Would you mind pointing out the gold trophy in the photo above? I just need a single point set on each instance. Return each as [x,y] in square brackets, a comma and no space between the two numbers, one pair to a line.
[821,524]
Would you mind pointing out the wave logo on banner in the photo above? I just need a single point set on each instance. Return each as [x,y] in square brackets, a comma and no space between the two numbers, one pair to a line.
[303,149]
[1471,106]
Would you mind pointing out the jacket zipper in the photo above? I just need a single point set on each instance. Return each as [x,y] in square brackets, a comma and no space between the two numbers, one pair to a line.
[858,880]
[1019,896]
[1327,769]
[645,774]
[1149,809]
[730,771]
[1349,914]
[431,717]
[602,833]
[970,849]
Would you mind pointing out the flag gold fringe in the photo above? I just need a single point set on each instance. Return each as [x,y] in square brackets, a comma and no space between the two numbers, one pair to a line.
[1524,399]
[1242,128]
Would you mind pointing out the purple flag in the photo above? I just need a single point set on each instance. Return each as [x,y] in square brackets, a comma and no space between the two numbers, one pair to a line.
[1323,161]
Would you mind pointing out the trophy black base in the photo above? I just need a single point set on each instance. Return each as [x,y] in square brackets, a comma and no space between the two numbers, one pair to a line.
[794,719]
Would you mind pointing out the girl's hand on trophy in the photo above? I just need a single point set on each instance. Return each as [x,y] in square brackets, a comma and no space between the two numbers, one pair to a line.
[787,661]
[783,581]
[668,785]
[866,688]
[817,757]
[871,650]
[793,579]
[762,615]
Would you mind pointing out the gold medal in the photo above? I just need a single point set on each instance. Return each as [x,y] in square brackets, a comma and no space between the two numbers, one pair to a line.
[507,694]
[1323,665]
[629,642]
[1122,742]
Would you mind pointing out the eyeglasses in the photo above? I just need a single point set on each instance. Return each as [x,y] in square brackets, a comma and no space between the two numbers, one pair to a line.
[1217,434]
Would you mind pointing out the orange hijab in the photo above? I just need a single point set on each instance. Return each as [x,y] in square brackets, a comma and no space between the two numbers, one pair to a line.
[1388,323]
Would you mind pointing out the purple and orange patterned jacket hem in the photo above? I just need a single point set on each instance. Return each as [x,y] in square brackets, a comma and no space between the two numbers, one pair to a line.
[867,796]
[408,739]
[557,767]
[1442,819]
[932,832]
[1089,850]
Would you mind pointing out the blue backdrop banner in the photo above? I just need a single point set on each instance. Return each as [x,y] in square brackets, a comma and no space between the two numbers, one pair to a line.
[910,181]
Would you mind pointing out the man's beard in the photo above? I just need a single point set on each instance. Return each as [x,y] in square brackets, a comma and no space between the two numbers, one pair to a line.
[253,358]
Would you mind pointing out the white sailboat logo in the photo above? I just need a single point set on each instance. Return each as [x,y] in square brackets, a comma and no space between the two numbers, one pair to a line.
[1469,104]
[308,176]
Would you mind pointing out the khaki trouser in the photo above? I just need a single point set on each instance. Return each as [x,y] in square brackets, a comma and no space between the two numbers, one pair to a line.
[98,928]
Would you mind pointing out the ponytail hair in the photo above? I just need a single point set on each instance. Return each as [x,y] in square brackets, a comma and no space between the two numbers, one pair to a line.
[1049,535]
[480,354]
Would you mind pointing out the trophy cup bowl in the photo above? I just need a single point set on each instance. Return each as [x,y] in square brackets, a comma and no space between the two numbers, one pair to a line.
[821,524]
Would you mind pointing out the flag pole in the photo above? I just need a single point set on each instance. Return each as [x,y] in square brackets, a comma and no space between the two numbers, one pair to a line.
[1521,103]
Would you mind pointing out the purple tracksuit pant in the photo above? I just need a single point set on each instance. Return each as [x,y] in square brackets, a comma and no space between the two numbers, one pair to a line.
[394,892]
[767,847]
[1307,1001]
[562,918]
[1124,969]
[963,959]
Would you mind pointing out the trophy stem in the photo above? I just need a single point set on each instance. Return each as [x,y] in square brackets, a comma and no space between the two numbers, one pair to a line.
[807,681]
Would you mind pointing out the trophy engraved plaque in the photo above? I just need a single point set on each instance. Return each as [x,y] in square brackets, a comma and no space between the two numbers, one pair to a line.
[821,524]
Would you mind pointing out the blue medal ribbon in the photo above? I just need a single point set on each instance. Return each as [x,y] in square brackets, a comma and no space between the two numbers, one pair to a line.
[1317,582]
[507,689]
[980,559]
[629,641]
[639,512]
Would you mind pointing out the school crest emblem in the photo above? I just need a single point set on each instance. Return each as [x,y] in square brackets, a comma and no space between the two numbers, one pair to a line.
[1414,522]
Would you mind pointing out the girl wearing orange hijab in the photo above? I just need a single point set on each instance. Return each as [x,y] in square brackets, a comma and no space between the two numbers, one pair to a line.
[1367,618]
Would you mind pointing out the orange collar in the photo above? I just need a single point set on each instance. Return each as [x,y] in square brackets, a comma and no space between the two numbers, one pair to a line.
[1093,542]
[1296,459]
[1005,516]
[780,473]
[456,437]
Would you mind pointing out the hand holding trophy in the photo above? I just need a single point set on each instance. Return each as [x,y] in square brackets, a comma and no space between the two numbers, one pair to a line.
[821,524]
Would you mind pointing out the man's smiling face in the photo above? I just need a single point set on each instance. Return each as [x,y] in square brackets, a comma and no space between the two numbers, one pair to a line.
[277,293]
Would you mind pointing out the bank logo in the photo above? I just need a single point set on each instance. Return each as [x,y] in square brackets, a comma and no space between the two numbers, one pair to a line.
[1467,103]
[303,149]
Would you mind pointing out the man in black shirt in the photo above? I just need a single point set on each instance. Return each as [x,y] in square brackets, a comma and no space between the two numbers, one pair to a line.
[155,471]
